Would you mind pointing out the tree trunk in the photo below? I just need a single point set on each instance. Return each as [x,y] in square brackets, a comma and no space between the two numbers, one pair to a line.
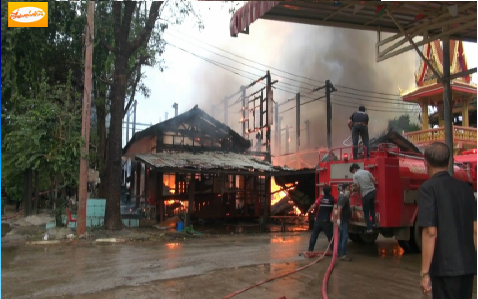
[123,52]
[115,137]
[52,192]
[37,192]
[101,131]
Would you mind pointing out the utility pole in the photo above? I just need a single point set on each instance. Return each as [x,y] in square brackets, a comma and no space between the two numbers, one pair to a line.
[329,114]
[269,113]
[297,128]
[307,132]
[226,110]
[277,127]
[127,126]
[287,136]
[85,118]
[134,117]
[175,106]
[297,122]
[166,114]
[243,108]
[279,133]
[447,101]
[329,88]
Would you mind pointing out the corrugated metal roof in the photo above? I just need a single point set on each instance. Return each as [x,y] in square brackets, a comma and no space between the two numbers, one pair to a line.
[209,161]
[363,15]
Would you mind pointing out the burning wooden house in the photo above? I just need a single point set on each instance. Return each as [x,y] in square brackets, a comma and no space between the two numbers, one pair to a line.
[196,166]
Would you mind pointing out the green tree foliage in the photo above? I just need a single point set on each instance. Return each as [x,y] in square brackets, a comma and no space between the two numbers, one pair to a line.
[40,127]
[35,67]
[402,124]
[45,137]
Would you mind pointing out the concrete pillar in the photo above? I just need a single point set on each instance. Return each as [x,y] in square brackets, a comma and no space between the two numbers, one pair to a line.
[465,114]
[425,125]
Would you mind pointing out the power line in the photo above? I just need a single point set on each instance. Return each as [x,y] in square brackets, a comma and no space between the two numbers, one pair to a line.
[269,67]
[242,63]
[388,100]
[374,101]
[228,68]
[247,72]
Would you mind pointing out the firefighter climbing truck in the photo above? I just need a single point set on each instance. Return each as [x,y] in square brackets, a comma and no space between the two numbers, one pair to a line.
[399,175]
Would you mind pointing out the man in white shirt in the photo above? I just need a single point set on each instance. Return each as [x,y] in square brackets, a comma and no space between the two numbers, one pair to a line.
[364,180]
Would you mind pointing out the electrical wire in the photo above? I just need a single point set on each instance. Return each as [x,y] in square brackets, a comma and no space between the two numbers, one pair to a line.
[236,71]
[270,67]
[388,100]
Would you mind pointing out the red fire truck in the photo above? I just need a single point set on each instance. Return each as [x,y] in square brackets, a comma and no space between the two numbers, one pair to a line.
[399,176]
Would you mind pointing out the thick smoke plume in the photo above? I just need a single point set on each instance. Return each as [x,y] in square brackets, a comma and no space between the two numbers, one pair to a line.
[346,57]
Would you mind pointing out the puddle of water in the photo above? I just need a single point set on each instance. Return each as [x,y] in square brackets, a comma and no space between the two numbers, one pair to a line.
[8,255]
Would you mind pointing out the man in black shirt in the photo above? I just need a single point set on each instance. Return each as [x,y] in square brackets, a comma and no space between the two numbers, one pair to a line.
[325,206]
[447,215]
[358,123]
[343,222]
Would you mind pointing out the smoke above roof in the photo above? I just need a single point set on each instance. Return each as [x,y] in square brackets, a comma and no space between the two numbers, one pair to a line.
[346,57]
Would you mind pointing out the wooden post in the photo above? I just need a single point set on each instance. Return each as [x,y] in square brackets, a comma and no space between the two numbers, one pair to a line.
[267,204]
[441,121]
[192,188]
[465,122]
[85,119]
[37,191]
[425,125]
[27,198]
[159,197]
[138,184]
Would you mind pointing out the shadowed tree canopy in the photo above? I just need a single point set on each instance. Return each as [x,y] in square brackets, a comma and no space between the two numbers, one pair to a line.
[128,36]
[402,124]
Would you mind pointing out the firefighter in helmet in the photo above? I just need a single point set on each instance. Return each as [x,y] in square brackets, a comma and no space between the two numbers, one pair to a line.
[358,124]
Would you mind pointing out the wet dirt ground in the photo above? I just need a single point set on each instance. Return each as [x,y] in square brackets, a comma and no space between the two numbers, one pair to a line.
[207,268]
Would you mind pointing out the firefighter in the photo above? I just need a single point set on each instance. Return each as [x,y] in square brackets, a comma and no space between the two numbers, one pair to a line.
[324,207]
[343,222]
[358,124]
[365,182]
[447,218]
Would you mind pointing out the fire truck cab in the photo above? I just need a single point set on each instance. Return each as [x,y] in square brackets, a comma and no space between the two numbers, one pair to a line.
[399,175]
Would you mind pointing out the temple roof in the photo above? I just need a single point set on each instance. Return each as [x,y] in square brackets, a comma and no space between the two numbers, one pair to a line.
[427,83]
[434,53]
[434,92]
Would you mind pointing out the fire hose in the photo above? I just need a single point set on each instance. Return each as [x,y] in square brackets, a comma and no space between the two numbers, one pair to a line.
[19,212]
[326,276]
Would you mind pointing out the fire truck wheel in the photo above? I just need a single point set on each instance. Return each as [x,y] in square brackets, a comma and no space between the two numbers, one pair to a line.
[368,238]
[413,245]
[405,246]
[355,238]
[417,237]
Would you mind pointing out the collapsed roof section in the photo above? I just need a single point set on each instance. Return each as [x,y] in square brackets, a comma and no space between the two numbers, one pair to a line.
[193,122]
[212,162]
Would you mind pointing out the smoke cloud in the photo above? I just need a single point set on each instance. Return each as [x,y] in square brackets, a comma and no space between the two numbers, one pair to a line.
[346,57]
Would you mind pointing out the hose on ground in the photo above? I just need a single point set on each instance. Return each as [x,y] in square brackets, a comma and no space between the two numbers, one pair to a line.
[18,213]
[325,281]
[12,216]
[282,275]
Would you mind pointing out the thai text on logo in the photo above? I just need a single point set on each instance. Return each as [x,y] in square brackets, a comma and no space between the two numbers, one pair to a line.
[27,14]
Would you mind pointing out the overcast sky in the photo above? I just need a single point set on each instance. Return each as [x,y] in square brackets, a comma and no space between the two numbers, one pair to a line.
[189,80]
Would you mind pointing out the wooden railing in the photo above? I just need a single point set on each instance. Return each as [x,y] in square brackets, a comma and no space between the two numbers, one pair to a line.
[460,134]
